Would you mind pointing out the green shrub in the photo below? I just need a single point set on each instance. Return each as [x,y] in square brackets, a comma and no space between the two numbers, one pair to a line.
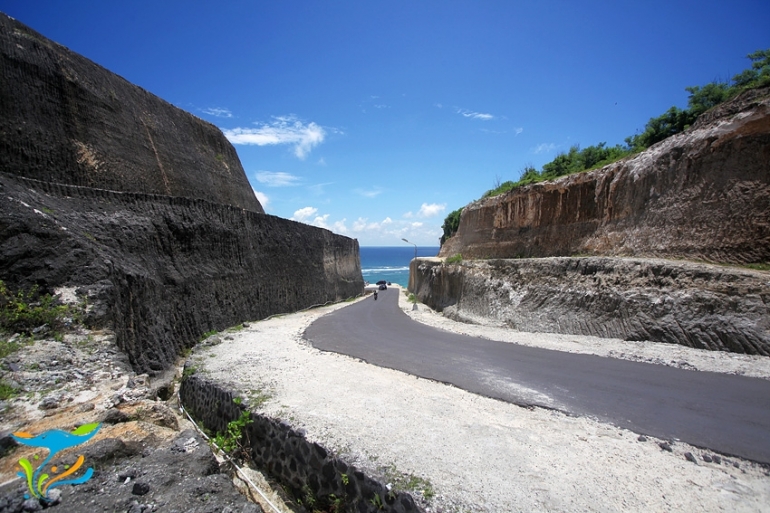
[22,312]
[454,259]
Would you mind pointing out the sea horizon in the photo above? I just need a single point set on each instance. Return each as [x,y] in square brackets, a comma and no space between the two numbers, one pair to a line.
[391,263]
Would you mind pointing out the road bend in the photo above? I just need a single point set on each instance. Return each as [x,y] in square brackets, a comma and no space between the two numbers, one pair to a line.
[721,412]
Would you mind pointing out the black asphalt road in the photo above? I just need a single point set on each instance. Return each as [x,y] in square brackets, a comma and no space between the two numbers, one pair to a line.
[724,413]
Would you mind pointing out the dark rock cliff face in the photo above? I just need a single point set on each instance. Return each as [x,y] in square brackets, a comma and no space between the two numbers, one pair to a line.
[65,119]
[143,208]
[703,194]
[696,305]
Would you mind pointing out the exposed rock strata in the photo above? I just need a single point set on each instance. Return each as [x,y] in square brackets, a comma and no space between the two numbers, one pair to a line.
[696,305]
[160,270]
[144,208]
[703,194]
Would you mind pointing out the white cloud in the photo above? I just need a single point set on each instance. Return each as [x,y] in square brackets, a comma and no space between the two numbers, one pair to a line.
[518,130]
[262,198]
[545,147]
[371,193]
[218,112]
[303,214]
[283,130]
[475,115]
[431,210]
[359,224]
[320,221]
[277,179]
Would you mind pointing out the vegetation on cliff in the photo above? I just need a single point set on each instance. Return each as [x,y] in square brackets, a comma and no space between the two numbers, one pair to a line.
[673,121]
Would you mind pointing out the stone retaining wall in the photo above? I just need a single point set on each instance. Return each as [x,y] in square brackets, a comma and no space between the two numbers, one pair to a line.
[287,456]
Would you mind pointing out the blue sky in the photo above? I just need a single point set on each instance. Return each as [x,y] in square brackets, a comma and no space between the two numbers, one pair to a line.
[377,119]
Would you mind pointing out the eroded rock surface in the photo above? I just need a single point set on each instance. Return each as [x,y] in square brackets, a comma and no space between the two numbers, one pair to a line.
[696,305]
[703,194]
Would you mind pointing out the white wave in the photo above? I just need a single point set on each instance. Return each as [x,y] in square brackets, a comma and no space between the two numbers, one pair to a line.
[375,270]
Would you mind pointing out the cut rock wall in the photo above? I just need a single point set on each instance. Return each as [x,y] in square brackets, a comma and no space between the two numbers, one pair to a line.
[143,208]
[703,194]
[65,119]
[696,305]
[287,456]
[162,270]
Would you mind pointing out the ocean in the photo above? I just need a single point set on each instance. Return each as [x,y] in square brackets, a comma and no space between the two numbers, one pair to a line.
[391,263]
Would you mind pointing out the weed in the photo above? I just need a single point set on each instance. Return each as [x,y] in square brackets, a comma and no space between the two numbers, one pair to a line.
[412,298]
[408,482]
[345,479]
[231,441]
[12,345]
[220,157]
[47,210]
[376,501]
[258,398]
[208,334]
[759,266]
[7,391]
[454,259]
[188,371]
[26,312]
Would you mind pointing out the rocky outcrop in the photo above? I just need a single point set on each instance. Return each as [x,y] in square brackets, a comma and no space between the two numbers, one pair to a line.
[65,119]
[143,208]
[696,305]
[703,194]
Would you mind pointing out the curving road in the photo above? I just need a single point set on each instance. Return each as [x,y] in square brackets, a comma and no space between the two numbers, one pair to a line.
[724,413]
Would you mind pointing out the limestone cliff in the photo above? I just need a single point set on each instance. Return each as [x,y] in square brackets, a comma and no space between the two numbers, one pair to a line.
[703,194]
[143,208]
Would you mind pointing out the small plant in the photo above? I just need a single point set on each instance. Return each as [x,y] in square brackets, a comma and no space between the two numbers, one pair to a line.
[231,441]
[188,371]
[208,334]
[412,298]
[454,259]
[26,312]
[345,479]
[7,391]
[220,157]
[257,397]
[376,501]
[759,267]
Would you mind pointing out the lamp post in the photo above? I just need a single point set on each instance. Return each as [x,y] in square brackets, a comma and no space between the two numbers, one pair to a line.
[413,244]
[414,306]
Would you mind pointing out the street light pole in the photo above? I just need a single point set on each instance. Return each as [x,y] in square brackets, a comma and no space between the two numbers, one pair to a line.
[413,244]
